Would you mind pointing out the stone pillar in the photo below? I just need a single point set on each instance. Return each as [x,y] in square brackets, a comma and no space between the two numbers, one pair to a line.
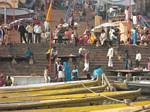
[98,20]
[123,26]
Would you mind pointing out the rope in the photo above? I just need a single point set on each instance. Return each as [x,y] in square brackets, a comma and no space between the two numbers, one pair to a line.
[98,94]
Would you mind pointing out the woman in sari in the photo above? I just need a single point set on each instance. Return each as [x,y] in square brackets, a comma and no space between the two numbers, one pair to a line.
[67,71]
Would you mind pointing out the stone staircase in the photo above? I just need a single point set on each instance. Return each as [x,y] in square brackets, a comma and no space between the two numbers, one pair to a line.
[97,57]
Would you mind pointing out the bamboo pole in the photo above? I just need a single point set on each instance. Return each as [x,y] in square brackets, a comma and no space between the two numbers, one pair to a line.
[50,43]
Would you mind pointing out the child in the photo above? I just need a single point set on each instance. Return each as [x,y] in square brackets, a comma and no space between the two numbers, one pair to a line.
[75,73]
[61,74]
[8,81]
[46,71]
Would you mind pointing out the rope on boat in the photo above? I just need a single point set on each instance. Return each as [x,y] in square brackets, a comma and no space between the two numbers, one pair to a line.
[98,94]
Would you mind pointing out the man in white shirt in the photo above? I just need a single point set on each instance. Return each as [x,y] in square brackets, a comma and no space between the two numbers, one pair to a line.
[110,55]
[111,34]
[138,58]
[37,31]
[126,12]
[29,29]
[134,20]
[46,26]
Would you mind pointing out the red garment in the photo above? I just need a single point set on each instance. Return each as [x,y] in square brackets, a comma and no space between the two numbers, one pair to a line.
[68,34]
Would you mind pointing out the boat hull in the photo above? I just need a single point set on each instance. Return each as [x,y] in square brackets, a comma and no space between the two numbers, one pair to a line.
[120,86]
[145,87]
[53,92]
[71,100]
[53,86]
[98,108]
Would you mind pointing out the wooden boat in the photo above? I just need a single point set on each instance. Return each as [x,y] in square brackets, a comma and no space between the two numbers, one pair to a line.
[89,108]
[144,85]
[51,86]
[126,109]
[69,100]
[53,92]
[120,86]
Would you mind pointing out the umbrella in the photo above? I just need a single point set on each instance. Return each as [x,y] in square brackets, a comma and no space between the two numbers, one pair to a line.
[16,11]
[104,25]
[120,2]
[21,20]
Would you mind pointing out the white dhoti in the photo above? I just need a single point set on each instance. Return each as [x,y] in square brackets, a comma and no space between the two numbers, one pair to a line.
[110,62]
[1,41]
[86,67]
[61,74]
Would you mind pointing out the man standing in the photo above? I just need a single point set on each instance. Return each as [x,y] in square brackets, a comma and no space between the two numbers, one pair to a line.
[134,36]
[1,35]
[29,29]
[138,58]
[22,31]
[46,26]
[110,55]
[126,14]
[86,62]
[46,75]
[38,31]
[29,55]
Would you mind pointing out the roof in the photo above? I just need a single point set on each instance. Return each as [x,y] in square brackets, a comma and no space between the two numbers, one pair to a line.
[16,12]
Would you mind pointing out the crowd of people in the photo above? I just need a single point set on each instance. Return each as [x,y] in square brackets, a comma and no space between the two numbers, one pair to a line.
[67,33]
[66,69]
[5,80]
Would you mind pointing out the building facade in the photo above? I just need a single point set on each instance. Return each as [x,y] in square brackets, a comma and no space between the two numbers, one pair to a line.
[8,3]
[143,7]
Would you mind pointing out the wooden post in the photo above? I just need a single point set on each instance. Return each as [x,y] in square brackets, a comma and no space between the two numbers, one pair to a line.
[5,15]
[50,43]
[14,17]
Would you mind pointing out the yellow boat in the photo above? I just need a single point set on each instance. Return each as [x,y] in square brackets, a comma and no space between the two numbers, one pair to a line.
[120,86]
[37,97]
[68,100]
[127,109]
[51,86]
[53,92]
[89,108]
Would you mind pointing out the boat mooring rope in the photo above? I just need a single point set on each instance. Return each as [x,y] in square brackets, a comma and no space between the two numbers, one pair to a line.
[99,94]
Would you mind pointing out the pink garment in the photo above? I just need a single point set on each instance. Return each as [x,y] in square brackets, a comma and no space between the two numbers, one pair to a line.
[2,82]
[86,40]
[68,34]
[148,66]
[80,40]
